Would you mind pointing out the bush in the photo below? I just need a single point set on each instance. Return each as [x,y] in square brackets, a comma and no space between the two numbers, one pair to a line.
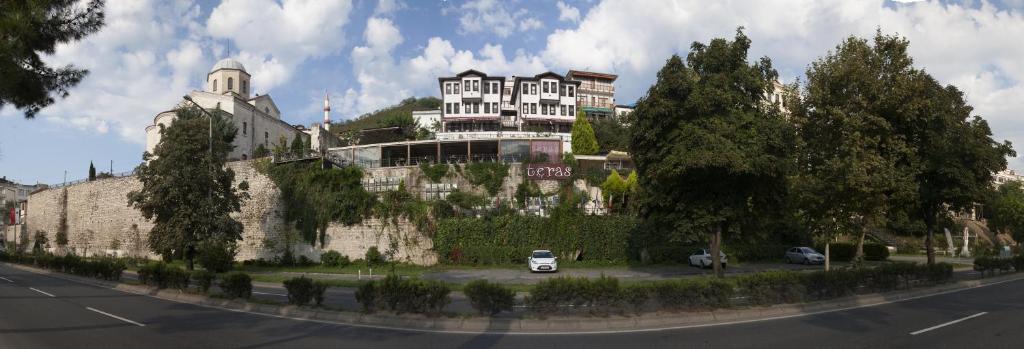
[319,289]
[404,295]
[693,294]
[373,257]
[217,257]
[305,261]
[236,285]
[489,298]
[840,251]
[300,290]
[876,252]
[334,259]
[636,296]
[161,275]
[990,265]
[1018,263]
[551,295]
[203,279]
[772,287]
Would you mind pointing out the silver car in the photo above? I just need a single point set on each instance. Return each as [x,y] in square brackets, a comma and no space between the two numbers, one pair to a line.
[805,255]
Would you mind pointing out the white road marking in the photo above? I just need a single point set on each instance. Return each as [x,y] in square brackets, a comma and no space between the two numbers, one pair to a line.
[272,294]
[947,324]
[115,316]
[5,279]
[41,292]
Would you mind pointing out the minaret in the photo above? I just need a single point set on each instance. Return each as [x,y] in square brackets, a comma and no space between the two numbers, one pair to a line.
[327,111]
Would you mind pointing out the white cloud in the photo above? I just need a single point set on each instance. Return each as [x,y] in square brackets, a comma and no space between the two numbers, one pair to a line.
[138,66]
[973,45]
[568,12]
[385,7]
[274,38]
[479,16]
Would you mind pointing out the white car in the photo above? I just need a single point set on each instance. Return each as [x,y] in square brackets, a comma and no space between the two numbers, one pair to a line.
[805,255]
[702,258]
[543,260]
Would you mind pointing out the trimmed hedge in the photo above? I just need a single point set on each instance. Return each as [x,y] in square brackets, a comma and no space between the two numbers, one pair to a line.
[105,268]
[302,290]
[489,298]
[334,259]
[236,284]
[204,279]
[990,265]
[161,275]
[510,239]
[403,295]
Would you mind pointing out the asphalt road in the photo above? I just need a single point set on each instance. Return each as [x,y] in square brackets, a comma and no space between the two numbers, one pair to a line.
[38,311]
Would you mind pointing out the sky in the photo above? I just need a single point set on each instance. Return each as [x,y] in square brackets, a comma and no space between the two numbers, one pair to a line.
[369,54]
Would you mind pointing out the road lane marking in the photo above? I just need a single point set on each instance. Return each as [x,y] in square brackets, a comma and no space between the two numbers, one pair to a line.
[263,293]
[116,317]
[41,292]
[947,324]
[6,279]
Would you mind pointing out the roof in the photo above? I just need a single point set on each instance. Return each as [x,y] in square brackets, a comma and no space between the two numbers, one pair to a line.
[228,63]
[587,74]
[441,80]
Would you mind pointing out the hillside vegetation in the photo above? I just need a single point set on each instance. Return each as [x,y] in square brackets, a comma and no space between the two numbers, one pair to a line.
[395,115]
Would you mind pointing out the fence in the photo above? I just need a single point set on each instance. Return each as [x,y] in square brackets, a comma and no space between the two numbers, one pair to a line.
[99,176]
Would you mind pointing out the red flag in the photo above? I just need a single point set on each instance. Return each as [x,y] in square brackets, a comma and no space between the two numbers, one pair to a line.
[13,217]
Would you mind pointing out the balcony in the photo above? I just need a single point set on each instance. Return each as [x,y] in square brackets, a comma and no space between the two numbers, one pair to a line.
[591,87]
[589,104]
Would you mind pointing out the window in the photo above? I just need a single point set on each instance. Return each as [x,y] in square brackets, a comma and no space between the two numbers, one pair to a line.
[545,83]
[245,126]
[456,108]
[468,86]
[231,84]
[455,89]
[533,108]
[526,88]
[572,110]
[266,110]
[563,110]
[266,138]
[487,106]
[487,88]
[214,85]
[572,91]
[448,107]
[469,108]
[494,106]
[476,108]
[245,86]
[476,85]
[533,89]
[544,109]
[561,91]
[244,157]
[494,87]
[447,88]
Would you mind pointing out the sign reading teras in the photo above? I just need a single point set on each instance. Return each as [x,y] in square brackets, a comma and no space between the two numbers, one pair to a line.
[548,171]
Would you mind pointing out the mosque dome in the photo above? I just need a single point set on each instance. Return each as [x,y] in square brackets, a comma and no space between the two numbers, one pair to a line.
[228,63]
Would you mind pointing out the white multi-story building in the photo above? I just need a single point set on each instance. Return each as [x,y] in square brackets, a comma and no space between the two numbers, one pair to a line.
[545,102]
[596,94]
[471,101]
[227,88]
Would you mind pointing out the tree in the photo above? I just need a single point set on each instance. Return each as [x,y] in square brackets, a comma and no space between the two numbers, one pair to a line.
[583,140]
[298,148]
[955,155]
[281,147]
[260,152]
[613,187]
[1005,210]
[611,135]
[850,154]
[28,28]
[709,151]
[188,193]
[92,172]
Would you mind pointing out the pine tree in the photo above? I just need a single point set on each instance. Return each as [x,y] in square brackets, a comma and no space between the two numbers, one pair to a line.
[298,148]
[31,28]
[92,172]
[583,140]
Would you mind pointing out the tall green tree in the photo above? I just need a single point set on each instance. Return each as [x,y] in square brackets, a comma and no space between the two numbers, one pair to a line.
[583,140]
[1004,210]
[29,28]
[710,151]
[298,147]
[955,155]
[850,153]
[187,192]
[92,172]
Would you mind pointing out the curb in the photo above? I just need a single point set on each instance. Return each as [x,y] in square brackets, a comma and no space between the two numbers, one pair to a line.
[554,325]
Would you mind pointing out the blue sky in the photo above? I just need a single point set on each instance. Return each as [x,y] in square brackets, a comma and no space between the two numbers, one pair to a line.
[369,54]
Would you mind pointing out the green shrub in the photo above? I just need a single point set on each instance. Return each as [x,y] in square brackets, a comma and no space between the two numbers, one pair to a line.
[300,290]
[511,238]
[876,252]
[489,175]
[772,287]
[560,293]
[334,259]
[434,172]
[236,285]
[373,257]
[693,294]
[304,261]
[319,289]
[178,278]
[840,251]
[216,257]
[204,279]
[604,294]
[489,298]
[404,295]
[1018,263]
[161,275]
[636,296]
[988,265]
